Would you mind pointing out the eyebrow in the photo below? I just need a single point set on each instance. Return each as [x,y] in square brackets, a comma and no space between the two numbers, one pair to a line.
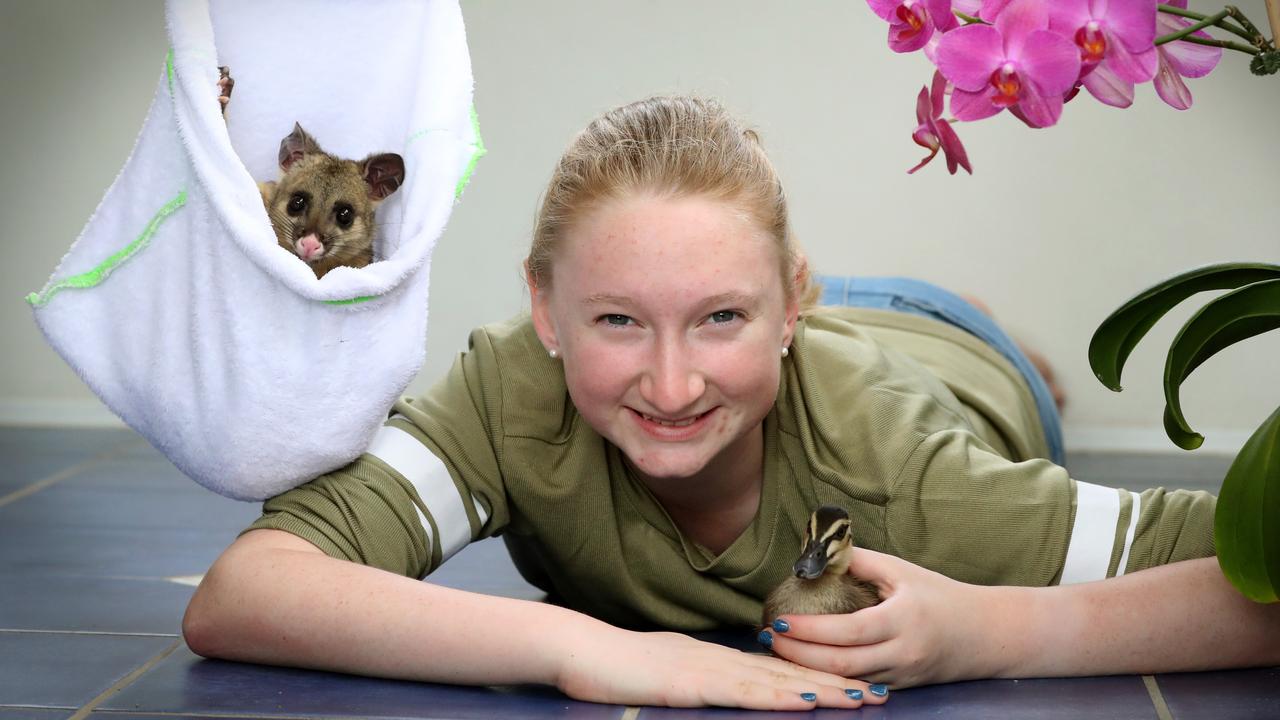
[729,298]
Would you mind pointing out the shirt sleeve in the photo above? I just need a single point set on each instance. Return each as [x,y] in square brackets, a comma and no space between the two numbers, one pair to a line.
[428,484]
[961,509]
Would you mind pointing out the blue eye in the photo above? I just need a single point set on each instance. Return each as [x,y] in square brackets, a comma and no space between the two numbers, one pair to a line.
[723,316]
[616,319]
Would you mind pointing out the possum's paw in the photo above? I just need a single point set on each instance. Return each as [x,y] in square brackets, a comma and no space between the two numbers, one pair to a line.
[225,84]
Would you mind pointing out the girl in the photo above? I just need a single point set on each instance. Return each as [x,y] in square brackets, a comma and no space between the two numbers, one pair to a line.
[650,441]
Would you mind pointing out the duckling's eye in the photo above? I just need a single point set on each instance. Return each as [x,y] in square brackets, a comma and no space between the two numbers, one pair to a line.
[839,534]
[297,204]
[616,320]
[723,316]
[344,215]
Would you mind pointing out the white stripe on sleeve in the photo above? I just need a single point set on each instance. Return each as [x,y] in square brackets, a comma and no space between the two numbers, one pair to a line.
[431,479]
[1136,510]
[1093,534]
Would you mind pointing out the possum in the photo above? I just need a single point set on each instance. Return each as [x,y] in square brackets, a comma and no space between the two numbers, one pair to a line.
[322,207]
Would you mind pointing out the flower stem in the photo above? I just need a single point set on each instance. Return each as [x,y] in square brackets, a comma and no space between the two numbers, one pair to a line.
[1253,38]
[1273,16]
[1213,20]
[969,19]
[1223,44]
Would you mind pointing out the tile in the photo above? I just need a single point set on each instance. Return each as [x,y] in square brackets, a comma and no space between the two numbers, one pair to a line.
[21,713]
[1102,698]
[92,604]
[185,683]
[1236,694]
[67,670]
[74,443]
[485,567]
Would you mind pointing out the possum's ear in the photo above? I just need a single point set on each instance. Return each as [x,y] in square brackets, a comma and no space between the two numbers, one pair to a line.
[383,173]
[295,146]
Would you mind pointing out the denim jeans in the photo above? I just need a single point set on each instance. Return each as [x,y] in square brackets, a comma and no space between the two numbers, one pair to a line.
[922,298]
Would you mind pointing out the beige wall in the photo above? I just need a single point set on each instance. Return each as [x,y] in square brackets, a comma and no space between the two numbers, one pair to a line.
[1057,228]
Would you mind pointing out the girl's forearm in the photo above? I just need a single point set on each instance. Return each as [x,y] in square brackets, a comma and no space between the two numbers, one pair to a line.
[1178,617]
[298,607]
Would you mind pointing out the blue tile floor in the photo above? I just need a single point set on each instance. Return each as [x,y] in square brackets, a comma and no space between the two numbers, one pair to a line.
[101,541]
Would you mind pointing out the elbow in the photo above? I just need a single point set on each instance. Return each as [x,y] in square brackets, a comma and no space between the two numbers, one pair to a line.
[202,624]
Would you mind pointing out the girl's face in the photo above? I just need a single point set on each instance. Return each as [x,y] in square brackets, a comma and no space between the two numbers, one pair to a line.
[670,315]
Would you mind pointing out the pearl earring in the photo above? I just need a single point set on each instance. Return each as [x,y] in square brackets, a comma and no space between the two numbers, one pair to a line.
[785,351]
[553,354]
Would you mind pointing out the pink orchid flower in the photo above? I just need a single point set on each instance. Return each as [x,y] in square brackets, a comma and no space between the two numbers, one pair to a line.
[1116,40]
[934,132]
[1015,63]
[912,22]
[1180,59]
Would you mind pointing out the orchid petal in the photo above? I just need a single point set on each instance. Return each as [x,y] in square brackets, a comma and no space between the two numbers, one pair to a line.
[1108,87]
[967,105]
[1068,16]
[903,38]
[968,7]
[923,107]
[938,93]
[931,47]
[925,161]
[968,55]
[1039,110]
[1132,67]
[940,13]
[1019,19]
[1134,22]
[885,9]
[953,148]
[1170,87]
[1191,60]
[991,9]
[1050,61]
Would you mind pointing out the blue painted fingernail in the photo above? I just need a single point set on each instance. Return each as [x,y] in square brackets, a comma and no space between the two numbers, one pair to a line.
[781,625]
[765,638]
[853,693]
[880,690]
[808,697]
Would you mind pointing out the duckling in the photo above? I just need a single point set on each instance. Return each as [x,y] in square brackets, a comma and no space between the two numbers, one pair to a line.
[822,584]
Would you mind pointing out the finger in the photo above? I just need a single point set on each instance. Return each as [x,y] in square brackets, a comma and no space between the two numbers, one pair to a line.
[864,627]
[864,662]
[814,687]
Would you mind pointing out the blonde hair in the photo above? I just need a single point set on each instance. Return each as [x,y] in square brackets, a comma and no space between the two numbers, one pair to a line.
[672,146]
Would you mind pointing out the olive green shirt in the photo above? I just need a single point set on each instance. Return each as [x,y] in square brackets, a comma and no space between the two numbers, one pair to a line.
[923,433]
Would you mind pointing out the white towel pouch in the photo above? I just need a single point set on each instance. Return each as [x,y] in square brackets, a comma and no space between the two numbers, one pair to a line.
[177,307]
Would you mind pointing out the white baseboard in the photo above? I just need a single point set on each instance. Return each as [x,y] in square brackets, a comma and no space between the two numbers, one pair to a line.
[1150,440]
[58,413]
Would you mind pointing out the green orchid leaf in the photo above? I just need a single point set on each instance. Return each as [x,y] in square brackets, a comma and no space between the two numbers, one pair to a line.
[1238,315]
[1245,527]
[1116,337]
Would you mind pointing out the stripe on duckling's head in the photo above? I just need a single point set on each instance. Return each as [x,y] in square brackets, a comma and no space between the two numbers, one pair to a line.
[828,523]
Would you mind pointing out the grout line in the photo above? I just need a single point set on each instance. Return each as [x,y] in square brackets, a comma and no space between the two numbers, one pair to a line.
[1157,699]
[76,469]
[185,715]
[125,681]
[631,714]
[87,632]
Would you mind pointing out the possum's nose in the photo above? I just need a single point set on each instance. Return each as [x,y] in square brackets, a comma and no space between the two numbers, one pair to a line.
[309,247]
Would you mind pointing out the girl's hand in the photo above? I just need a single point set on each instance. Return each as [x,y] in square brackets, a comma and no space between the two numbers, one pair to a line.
[927,629]
[631,668]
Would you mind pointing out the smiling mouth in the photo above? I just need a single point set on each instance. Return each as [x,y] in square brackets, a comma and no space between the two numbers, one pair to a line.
[673,423]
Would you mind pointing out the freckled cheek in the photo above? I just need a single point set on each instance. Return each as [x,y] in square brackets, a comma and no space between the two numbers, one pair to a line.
[597,375]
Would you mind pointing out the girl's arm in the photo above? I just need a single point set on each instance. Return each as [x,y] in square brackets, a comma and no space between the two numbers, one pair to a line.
[929,629]
[274,598]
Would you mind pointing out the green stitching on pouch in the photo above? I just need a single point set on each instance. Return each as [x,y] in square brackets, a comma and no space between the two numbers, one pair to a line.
[168,68]
[352,301]
[105,268]
[475,155]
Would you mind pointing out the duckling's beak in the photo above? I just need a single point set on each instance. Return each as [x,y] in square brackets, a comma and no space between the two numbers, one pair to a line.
[812,562]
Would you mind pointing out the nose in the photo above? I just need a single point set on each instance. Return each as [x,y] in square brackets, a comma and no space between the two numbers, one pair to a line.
[673,383]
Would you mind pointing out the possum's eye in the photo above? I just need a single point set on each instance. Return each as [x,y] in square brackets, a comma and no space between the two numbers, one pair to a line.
[344,215]
[297,204]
